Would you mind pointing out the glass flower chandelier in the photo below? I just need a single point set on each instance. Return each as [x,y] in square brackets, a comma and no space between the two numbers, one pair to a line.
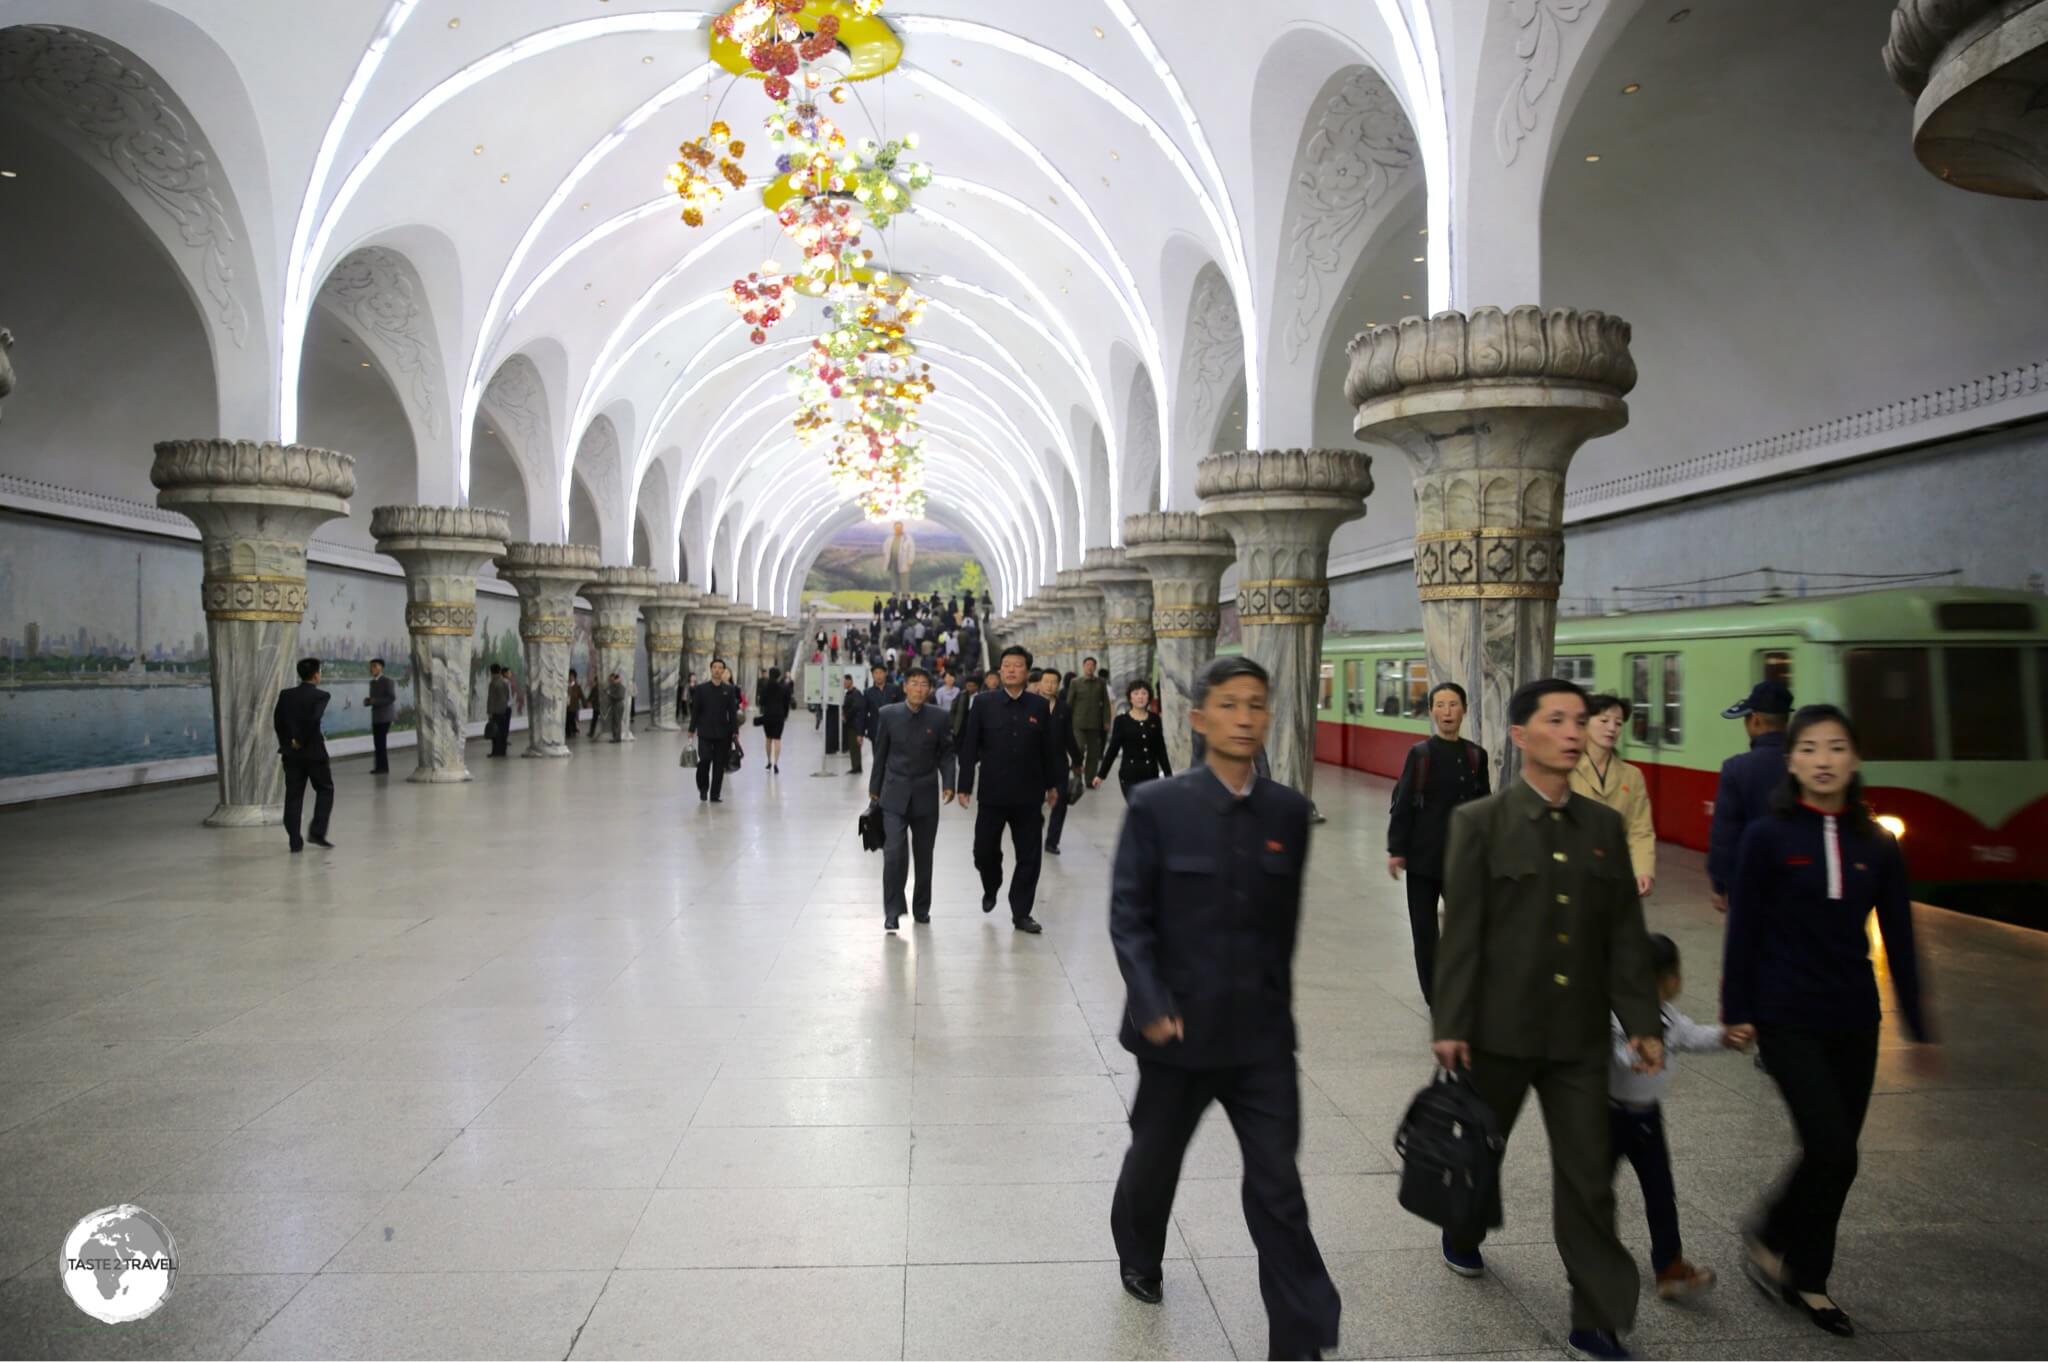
[859,387]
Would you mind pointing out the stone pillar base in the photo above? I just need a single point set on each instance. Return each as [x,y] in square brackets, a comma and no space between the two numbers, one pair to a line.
[244,816]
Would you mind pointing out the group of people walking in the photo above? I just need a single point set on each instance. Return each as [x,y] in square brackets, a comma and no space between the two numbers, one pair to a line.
[1545,976]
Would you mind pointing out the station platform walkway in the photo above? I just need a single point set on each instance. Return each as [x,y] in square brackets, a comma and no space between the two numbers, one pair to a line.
[563,1063]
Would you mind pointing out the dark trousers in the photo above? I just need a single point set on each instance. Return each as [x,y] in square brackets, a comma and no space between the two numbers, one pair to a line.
[1573,1094]
[298,773]
[1826,1078]
[1024,822]
[712,755]
[379,733]
[907,837]
[1092,743]
[569,727]
[1263,1102]
[853,746]
[1637,1134]
[594,712]
[1055,822]
[501,732]
[1423,893]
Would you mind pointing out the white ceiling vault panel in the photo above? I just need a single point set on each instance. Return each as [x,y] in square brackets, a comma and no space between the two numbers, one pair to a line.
[1154,225]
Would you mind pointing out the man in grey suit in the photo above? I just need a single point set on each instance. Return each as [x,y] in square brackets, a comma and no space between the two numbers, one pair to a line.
[913,774]
[383,709]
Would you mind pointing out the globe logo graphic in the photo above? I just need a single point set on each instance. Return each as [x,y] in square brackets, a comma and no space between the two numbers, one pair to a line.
[118,1264]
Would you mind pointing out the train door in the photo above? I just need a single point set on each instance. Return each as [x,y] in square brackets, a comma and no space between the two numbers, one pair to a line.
[1656,698]
[1356,698]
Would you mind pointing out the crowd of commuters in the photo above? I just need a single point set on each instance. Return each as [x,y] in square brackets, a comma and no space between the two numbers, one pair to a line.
[1541,976]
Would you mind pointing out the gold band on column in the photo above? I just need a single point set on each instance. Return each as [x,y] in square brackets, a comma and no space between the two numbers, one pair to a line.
[664,643]
[440,617]
[614,635]
[1283,600]
[256,596]
[1489,563]
[548,629]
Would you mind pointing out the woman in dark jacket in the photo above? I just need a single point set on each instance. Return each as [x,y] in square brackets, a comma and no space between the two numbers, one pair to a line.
[772,701]
[1139,737]
[1797,978]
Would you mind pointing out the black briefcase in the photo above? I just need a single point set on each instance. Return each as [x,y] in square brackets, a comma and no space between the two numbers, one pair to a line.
[1451,1147]
[873,834]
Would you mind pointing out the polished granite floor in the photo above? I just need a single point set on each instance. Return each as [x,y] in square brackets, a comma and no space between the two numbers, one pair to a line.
[562,1063]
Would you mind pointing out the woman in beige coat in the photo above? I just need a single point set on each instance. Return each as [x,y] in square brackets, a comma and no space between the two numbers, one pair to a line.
[1604,776]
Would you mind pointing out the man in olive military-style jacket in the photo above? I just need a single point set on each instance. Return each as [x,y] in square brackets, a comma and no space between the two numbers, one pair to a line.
[1088,700]
[1543,939]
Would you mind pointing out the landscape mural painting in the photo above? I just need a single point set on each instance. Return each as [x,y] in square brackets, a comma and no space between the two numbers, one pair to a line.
[103,656]
[855,565]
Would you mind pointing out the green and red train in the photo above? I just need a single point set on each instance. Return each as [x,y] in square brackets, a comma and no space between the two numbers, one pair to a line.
[1948,688]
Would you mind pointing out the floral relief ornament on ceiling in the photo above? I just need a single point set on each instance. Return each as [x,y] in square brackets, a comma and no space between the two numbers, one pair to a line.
[516,395]
[1215,347]
[113,107]
[1539,56]
[380,295]
[1360,147]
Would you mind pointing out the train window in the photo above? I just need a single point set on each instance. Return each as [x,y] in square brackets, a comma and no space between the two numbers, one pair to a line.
[1890,700]
[1418,687]
[1773,664]
[1575,667]
[1386,687]
[1986,708]
[1326,685]
[1354,687]
[1985,616]
[1674,694]
[1639,696]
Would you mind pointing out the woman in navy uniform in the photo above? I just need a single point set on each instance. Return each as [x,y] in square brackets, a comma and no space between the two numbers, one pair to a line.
[1210,1011]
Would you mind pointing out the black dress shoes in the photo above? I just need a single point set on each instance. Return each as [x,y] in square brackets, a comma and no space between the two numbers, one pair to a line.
[1829,1317]
[920,917]
[298,847]
[1146,1289]
[1051,850]
[321,842]
[889,924]
[1028,924]
[988,902]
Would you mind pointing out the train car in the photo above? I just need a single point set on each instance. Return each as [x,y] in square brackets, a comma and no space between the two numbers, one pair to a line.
[1948,688]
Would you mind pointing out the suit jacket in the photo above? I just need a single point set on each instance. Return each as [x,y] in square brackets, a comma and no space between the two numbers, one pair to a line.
[499,700]
[715,709]
[1010,746]
[911,747]
[1205,901]
[297,719]
[1543,931]
[873,701]
[383,699]
[1743,795]
[852,714]
[1623,790]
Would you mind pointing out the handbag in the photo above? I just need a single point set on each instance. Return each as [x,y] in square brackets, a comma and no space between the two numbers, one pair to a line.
[1451,1147]
[873,834]
[1077,785]
[732,763]
[689,751]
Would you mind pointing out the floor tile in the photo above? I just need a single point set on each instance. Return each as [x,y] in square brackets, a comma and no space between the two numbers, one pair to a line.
[769,1227]
[807,1312]
[484,1315]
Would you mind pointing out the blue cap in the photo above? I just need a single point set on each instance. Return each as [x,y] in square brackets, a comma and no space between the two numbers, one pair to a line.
[1765,697]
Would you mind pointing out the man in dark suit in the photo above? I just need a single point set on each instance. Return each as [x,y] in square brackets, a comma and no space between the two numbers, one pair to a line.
[498,706]
[1205,901]
[1008,740]
[303,749]
[852,719]
[715,721]
[881,693]
[1748,779]
[913,775]
[383,700]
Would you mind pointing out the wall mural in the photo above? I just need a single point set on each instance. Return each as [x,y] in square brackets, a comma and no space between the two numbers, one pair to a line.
[77,692]
[866,560]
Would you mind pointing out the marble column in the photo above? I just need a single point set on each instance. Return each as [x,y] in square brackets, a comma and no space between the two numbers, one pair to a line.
[665,612]
[1056,621]
[1126,613]
[615,594]
[1281,507]
[547,577]
[1977,71]
[1489,412]
[1026,631]
[256,505]
[700,634]
[1184,556]
[747,669]
[1082,600]
[730,623]
[441,548]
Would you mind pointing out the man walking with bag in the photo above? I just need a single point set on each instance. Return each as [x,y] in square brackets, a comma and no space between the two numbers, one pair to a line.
[714,722]
[913,775]
[1543,941]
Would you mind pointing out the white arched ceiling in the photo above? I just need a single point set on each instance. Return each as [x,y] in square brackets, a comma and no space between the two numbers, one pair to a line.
[1212,376]
[655,523]
[377,295]
[516,409]
[1141,448]
[597,466]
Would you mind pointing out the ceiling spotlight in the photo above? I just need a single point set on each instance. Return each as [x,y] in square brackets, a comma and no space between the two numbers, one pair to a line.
[1592,156]
[958,62]
[455,23]
[366,364]
[506,178]
[1423,232]
[477,150]
[1096,30]
[10,175]
[1407,297]
[1631,88]
[647,61]
[1420,259]
[1113,156]
[585,208]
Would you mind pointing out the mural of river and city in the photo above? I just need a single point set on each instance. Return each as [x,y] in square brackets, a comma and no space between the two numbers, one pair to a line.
[103,658]
[855,566]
